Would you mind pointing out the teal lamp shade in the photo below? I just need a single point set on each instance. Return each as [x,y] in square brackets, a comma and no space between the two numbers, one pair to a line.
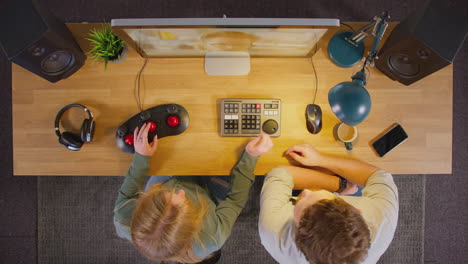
[350,101]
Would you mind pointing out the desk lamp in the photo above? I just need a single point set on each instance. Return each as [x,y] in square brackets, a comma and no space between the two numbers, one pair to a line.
[350,101]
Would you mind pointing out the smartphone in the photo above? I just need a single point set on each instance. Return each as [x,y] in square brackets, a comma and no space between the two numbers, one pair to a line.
[392,137]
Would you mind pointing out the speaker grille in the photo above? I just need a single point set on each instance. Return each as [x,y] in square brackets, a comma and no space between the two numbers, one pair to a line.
[403,65]
[57,62]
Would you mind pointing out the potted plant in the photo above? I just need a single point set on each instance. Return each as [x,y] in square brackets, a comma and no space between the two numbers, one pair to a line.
[106,46]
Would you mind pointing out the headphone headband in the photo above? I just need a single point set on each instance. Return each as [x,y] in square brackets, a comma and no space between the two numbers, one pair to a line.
[65,108]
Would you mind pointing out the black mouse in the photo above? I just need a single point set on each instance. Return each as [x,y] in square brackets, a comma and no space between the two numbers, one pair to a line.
[313,118]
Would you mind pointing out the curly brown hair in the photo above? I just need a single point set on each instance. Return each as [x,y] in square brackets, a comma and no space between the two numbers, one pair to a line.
[331,231]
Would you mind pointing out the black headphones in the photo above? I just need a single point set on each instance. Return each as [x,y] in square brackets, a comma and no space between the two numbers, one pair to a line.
[73,141]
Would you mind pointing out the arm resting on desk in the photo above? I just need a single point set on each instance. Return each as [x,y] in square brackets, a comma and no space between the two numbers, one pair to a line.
[305,178]
[355,171]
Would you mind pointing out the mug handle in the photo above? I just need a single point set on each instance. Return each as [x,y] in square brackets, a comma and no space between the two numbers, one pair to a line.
[348,145]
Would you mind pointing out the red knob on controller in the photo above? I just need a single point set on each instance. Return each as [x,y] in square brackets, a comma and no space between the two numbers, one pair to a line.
[152,126]
[173,121]
[129,139]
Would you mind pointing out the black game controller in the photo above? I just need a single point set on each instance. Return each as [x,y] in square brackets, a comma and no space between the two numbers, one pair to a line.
[165,120]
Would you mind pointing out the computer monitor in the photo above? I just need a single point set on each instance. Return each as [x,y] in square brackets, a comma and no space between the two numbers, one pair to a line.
[226,43]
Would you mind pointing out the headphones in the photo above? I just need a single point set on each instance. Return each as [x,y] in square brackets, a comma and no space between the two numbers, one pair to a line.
[70,140]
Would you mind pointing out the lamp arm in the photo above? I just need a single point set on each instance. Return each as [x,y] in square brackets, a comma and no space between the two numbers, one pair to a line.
[379,30]
[360,34]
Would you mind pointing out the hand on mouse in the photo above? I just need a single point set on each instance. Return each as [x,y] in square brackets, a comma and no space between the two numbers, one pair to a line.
[259,145]
[305,154]
[141,144]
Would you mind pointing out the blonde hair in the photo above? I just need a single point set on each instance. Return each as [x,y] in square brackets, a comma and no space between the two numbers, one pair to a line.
[163,231]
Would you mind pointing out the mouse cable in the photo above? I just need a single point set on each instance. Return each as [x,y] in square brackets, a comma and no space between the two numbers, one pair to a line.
[137,85]
[313,67]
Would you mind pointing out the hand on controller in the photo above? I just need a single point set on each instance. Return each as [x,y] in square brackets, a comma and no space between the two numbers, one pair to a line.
[259,145]
[305,154]
[141,144]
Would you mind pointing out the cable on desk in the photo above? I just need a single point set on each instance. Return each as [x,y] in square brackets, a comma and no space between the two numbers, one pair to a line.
[350,27]
[137,85]
[313,67]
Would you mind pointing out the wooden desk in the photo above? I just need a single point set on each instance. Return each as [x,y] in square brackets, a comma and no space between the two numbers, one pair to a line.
[424,109]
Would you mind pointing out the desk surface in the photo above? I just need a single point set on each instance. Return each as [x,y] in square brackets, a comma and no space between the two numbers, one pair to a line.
[424,109]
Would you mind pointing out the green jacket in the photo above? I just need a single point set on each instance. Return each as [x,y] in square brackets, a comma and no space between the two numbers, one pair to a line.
[219,219]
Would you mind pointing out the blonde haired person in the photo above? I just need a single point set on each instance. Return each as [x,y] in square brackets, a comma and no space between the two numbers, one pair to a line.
[186,218]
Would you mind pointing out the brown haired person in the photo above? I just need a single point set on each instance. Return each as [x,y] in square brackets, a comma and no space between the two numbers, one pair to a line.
[321,226]
[187,218]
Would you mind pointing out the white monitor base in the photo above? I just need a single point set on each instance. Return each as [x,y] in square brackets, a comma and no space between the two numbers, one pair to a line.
[227,63]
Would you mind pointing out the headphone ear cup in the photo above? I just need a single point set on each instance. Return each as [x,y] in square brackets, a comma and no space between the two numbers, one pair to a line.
[71,141]
[87,130]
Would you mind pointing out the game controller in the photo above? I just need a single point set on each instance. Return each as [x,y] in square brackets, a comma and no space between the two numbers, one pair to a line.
[165,120]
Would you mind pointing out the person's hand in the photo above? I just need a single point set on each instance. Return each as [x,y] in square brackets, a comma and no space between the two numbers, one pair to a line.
[140,137]
[259,145]
[351,188]
[305,154]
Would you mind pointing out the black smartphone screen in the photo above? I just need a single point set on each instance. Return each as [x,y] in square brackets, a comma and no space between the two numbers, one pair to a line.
[392,138]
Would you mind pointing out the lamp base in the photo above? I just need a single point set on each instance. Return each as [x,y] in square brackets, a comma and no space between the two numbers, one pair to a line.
[342,52]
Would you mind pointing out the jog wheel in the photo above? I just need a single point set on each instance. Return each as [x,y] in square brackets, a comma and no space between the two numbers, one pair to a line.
[270,126]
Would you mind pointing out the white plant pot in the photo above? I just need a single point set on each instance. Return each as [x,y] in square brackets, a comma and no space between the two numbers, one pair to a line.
[123,56]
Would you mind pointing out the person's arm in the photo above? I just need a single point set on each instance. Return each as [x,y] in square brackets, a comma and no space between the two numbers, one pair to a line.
[312,179]
[134,181]
[275,195]
[242,177]
[353,170]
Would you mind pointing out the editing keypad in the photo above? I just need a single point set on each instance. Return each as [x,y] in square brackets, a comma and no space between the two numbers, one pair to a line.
[249,117]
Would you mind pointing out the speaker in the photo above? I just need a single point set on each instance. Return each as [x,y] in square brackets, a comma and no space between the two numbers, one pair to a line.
[423,43]
[36,40]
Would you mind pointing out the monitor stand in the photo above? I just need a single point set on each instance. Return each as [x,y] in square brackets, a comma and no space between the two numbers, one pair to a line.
[227,63]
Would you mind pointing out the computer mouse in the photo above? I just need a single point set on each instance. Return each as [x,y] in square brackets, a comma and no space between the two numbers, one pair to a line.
[313,118]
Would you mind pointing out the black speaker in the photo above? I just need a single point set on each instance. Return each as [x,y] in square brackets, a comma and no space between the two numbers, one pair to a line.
[423,43]
[36,40]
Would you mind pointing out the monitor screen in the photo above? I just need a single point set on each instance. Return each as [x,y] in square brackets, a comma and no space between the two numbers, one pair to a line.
[193,37]
[226,43]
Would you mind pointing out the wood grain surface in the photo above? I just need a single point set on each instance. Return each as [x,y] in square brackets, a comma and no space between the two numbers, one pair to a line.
[424,109]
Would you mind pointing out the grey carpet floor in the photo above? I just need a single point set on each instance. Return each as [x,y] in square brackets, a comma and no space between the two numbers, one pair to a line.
[75,224]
